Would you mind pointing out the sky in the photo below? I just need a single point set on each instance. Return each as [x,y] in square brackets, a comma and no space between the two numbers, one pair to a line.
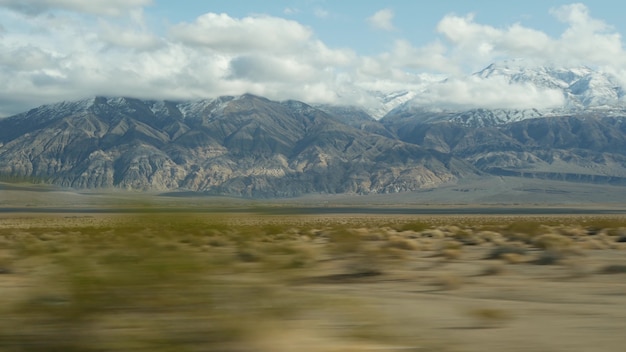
[311,50]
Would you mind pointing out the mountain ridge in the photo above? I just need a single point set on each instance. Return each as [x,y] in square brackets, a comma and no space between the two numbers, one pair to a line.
[246,146]
[252,146]
[579,89]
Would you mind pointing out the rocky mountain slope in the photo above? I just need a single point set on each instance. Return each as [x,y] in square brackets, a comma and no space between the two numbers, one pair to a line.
[246,146]
[250,146]
[584,140]
[579,148]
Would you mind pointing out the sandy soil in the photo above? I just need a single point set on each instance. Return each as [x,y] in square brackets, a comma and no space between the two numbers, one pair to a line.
[440,295]
[525,307]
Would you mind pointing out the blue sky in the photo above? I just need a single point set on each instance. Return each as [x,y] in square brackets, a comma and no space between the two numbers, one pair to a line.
[343,23]
[311,50]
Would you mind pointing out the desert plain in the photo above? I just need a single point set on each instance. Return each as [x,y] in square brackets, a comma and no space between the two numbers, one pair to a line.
[279,279]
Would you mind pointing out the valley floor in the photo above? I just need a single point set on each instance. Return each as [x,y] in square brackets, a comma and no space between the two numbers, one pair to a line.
[267,281]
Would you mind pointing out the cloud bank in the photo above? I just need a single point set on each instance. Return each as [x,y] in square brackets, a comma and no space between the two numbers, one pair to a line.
[54,50]
[98,7]
[382,19]
[585,41]
[492,93]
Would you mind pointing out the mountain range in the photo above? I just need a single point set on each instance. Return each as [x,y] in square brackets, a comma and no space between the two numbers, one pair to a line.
[253,147]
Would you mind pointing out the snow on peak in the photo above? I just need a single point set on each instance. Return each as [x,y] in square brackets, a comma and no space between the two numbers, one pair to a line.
[53,111]
[582,87]
[204,107]
[387,102]
[516,90]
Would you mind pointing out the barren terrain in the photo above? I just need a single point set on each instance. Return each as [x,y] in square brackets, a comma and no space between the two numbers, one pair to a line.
[265,281]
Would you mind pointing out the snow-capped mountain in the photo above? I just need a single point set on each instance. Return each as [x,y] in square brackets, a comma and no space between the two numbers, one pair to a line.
[388,102]
[579,89]
[245,146]
[251,146]
[582,87]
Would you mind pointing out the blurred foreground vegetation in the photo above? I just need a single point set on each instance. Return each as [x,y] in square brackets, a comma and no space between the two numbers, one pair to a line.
[169,282]
[174,282]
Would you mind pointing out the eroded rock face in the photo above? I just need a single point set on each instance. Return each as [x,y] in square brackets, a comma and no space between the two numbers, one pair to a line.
[250,146]
[588,148]
[245,146]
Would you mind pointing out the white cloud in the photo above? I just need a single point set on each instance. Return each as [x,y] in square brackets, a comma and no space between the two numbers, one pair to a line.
[67,55]
[221,32]
[431,57]
[382,19]
[586,41]
[97,7]
[477,44]
[263,68]
[493,93]
[25,58]
[129,38]
[587,38]
[577,15]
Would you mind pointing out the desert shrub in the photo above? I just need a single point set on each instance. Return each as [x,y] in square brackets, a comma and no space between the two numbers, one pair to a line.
[600,241]
[490,317]
[304,258]
[449,282]
[4,243]
[359,256]
[609,225]
[193,241]
[401,243]
[217,241]
[451,229]
[274,229]
[592,243]
[493,270]
[572,231]
[527,227]
[285,255]
[343,241]
[489,236]
[6,264]
[130,274]
[367,234]
[500,251]
[519,237]
[467,237]
[433,233]
[513,258]
[450,253]
[249,254]
[415,226]
[552,241]
[614,269]
[129,290]
[374,236]
[449,250]
[451,245]
[549,257]
[427,244]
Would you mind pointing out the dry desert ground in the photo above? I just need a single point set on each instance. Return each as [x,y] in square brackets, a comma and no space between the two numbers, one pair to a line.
[345,282]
